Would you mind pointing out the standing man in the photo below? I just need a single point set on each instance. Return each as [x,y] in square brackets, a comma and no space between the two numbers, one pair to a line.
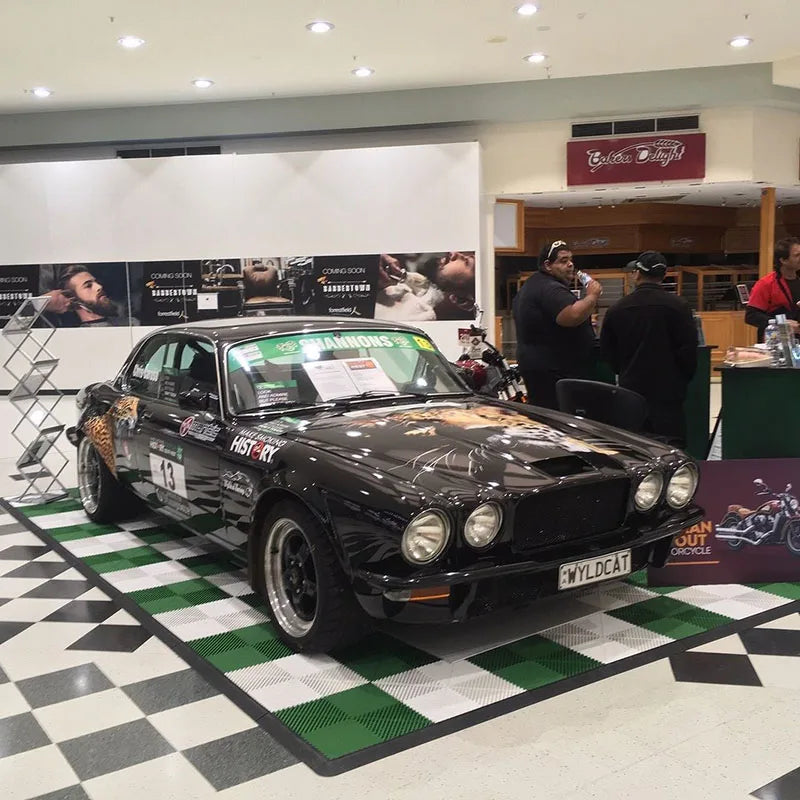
[555,338]
[650,340]
[778,292]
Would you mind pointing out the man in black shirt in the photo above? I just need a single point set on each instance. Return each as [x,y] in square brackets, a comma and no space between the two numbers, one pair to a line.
[555,338]
[650,340]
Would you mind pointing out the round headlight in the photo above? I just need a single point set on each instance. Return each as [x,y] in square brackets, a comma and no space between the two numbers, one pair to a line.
[425,537]
[682,486]
[649,491]
[482,525]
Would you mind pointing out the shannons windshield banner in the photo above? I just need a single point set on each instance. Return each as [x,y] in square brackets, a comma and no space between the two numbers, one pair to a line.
[309,347]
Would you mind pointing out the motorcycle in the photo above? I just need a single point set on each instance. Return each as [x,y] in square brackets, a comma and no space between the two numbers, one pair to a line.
[485,370]
[776,521]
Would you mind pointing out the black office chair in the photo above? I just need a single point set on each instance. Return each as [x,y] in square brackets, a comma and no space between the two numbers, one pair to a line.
[602,402]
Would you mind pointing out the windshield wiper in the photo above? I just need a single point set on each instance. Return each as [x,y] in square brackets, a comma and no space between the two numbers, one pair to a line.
[368,394]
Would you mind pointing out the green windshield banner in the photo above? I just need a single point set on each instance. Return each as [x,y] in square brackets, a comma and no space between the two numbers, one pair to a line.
[308,347]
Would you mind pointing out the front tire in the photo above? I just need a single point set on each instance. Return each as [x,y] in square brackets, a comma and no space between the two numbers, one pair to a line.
[793,538]
[103,499]
[297,572]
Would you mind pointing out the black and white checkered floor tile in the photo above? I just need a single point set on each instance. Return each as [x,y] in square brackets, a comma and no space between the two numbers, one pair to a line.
[92,705]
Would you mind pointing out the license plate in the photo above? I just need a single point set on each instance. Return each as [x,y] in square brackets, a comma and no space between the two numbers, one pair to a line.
[592,570]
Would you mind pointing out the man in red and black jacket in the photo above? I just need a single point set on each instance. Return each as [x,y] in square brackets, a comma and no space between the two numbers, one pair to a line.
[778,292]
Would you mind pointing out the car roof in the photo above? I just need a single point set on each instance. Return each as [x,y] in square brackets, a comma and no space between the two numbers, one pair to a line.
[241,328]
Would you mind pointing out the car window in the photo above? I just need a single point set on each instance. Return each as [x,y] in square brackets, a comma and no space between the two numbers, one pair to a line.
[152,363]
[316,367]
[197,370]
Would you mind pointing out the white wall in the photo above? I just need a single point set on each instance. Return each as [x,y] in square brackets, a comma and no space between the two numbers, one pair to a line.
[389,199]
[777,147]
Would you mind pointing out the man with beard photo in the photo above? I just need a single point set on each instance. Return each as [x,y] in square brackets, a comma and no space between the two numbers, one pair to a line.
[81,301]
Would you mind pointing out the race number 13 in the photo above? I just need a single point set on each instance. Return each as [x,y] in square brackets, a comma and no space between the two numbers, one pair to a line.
[168,474]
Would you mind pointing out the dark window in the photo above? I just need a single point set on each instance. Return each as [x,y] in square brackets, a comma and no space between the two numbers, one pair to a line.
[586,129]
[688,123]
[139,153]
[162,152]
[635,126]
[204,150]
[197,370]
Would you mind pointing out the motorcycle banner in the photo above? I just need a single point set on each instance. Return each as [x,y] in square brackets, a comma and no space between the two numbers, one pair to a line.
[751,531]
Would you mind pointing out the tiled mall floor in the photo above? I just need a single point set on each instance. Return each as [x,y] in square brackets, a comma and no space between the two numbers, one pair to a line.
[92,705]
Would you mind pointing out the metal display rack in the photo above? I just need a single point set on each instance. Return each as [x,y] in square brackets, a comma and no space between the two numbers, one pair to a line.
[31,364]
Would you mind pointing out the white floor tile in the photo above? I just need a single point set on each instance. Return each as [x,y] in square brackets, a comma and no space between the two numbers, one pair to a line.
[779,672]
[788,623]
[171,777]
[11,703]
[122,617]
[731,645]
[124,668]
[9,566]
[30,609]
[83,715]
[35,772]
[16,587]
[49,522]
[109,543]
[197,723]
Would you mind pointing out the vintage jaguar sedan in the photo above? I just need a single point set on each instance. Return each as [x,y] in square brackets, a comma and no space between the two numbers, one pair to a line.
[354,474]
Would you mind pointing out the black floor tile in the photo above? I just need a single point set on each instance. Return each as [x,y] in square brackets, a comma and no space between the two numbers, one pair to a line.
[784,788]
[115,748]
[84,611]
[239,758]
[23,552]
[20,733]
[771,642]
[12,527]
[113,638]
[58,589]
[169,691]
[70,793]
[66,684]
[41,569]
[8,630]
[722,668]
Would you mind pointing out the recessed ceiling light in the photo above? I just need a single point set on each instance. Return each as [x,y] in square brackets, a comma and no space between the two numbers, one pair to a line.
[42,91]
[320,26]
[130,42]
[527,9]
[363,72]
[202,83]
[740,41]
[535,58]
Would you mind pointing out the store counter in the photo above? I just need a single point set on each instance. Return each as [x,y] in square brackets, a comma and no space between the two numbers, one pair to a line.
[759,419]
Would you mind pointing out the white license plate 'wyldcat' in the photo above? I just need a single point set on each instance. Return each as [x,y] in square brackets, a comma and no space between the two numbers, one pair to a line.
[592,570]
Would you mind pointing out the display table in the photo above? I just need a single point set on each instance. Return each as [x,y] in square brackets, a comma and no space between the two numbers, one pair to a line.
[758,412]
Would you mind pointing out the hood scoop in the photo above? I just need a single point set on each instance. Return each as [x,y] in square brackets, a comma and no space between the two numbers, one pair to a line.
[564,466]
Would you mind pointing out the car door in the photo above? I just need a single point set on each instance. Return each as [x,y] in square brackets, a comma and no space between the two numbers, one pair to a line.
[180,430]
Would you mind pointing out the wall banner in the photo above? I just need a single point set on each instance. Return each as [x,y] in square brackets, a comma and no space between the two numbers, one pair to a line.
[751,532]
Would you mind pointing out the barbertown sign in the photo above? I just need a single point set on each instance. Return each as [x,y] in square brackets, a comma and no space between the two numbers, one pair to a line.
[636,159]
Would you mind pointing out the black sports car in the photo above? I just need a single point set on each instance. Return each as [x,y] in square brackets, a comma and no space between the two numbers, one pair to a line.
[355,474]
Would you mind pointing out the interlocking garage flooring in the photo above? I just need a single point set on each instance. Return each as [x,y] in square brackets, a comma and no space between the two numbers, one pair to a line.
[401,686]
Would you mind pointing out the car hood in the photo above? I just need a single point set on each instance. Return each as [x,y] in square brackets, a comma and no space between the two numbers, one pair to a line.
[456,447]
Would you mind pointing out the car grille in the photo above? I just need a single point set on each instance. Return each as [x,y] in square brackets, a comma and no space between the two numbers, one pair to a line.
[551,518]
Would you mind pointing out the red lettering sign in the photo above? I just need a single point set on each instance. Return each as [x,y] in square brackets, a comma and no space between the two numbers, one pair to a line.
[634,159]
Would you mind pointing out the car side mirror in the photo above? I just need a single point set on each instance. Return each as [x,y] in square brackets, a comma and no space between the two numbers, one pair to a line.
[195,398]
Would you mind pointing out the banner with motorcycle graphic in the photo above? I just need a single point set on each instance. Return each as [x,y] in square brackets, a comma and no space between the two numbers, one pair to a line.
[751,532]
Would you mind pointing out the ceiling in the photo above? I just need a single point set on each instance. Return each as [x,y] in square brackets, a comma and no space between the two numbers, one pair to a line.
[731,194]
[261,49]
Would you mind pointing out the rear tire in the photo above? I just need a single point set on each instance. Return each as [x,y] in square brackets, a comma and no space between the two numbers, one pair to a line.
[731,520]
[103,498]
[299,575]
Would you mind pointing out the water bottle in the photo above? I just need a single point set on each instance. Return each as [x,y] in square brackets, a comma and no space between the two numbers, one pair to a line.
[773,342]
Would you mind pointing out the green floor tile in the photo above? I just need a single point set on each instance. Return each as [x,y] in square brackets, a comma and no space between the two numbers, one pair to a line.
[348,736]
[379,656]
[670,617]
[124,559]
[312,716]
[791,591]
[208,564]
[183,594]
[56,507]
[154,535]
[245,647]
[86,530]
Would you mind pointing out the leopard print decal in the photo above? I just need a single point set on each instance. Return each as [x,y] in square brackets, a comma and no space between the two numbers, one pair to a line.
[117,423]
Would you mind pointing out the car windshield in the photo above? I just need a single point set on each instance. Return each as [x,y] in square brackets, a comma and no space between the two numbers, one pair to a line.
[308,368]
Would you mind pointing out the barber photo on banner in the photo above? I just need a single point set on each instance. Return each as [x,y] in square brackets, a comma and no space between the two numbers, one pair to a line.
[18,282]
[86,295]
[419,287]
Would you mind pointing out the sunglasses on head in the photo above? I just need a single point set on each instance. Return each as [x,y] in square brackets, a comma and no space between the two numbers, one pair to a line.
[556,246]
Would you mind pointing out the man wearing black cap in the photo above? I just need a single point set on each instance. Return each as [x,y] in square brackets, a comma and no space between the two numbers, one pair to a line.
[555,338]
[650,339]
